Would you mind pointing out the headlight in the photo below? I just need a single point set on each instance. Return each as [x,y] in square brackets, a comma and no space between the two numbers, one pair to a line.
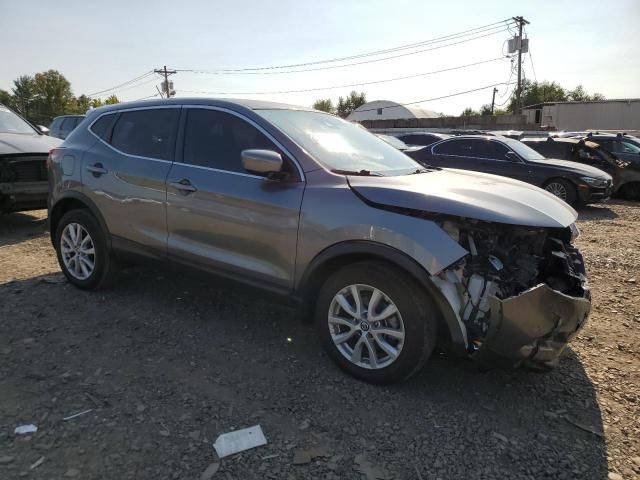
[595,182]
[575,233]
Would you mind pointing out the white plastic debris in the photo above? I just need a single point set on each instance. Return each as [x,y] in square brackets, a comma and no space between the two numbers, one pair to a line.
[77,414]
[25,429]
[239,441]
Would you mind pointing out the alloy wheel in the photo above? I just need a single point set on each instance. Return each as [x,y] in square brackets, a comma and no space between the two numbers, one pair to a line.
[557,189]
[78,251]
[366,326]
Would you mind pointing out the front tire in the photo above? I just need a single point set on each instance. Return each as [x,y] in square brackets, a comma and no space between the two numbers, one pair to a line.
[82,250]
[375,322]
[562,189]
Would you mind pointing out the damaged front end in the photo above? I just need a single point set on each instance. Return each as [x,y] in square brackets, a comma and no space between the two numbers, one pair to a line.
[520,295]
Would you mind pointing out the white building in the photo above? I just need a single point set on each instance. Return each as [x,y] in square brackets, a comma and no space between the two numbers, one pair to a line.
[595,115]
[387,110]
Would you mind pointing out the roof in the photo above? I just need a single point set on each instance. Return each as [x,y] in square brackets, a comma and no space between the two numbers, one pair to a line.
[389,110]
[228,102]
[613,100]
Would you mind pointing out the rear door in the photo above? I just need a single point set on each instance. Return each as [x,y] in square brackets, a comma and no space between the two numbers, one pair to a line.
[452,154]
[491,156]
[224,218]
[124,173]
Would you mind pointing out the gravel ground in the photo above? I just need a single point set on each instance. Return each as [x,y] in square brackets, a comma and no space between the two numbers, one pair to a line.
[167,361]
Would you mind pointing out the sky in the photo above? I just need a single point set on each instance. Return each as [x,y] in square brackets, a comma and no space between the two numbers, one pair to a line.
[98,45]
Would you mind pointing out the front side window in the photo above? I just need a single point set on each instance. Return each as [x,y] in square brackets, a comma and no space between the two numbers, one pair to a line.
[457,147]
[146,133]
[339,145]
[521,149]
[216,139]
[488,149]
[627,147]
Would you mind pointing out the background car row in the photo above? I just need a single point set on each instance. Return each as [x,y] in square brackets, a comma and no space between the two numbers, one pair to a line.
[572,165]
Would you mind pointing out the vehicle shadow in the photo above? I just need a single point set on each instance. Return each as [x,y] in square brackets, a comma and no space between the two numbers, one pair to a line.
[596,212]
[179,343]
[15,227]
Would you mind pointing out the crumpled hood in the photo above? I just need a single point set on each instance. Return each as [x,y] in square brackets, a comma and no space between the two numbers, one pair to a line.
[579,168]
[13,143]
[462,193]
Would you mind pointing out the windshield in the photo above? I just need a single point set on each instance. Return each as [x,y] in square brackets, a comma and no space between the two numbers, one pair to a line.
[340,145]
[12,123]
[525,151]
[393,141]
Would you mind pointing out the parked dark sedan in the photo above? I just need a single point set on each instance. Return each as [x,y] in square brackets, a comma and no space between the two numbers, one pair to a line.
[422,139]
[62,126]
[575,183]
[23,169]
[626,175]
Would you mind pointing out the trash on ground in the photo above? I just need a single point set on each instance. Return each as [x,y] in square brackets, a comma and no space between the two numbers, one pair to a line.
[77,414]
[37,463]
[305,455]
[586,428]
[210,471]
[25,429]
[239,441]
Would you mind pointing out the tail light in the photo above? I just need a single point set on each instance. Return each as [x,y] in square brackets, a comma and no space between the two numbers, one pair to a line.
[54,156]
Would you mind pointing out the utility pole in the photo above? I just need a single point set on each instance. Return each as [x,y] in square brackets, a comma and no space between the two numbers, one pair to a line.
[166,73]
[493,99]
[521,23]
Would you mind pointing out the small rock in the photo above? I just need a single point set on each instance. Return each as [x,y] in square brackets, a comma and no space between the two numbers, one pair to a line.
[195,435]
[210,471]
[72,472]
[631,280]
[636,461]
[164,433]
[140,408]
[7,459]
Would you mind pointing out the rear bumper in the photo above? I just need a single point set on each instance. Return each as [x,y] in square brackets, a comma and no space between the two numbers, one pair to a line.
[20,196]
[533,327]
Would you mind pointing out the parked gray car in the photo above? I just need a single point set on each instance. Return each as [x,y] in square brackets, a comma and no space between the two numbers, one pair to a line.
[392,258]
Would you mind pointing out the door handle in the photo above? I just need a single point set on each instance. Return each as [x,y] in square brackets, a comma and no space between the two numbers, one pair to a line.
[183,185]
[97,169]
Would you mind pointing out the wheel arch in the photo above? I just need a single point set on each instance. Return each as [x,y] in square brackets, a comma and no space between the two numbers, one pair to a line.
[71,201]
[344,253]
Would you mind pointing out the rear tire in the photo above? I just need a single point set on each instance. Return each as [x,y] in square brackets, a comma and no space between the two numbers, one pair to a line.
[376,345]
[562,189]
[82,251]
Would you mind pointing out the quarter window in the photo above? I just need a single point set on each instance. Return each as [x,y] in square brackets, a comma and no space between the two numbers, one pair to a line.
[216,139]
[147,133]
[102,126]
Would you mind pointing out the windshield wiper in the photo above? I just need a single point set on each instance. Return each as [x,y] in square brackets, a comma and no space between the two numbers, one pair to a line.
[364,173]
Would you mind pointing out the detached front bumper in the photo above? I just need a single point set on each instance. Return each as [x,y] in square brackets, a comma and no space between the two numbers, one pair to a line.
[533,327]
[589,194]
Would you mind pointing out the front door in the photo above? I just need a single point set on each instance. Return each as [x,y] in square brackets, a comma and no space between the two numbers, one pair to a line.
[222,217]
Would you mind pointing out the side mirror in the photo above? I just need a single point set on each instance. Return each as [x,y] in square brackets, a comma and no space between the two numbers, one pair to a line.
[262,162]
[43,129]
[512,157]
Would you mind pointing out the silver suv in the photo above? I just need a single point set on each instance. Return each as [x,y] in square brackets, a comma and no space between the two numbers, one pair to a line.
[392,258]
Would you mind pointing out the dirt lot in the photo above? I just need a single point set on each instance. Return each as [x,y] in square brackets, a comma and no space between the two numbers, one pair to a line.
[168,361]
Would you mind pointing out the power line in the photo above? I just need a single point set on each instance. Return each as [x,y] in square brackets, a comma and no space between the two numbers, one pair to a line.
[470,32]
[531,59]
[433,99]
[348,85]
[145,98]
[122,84]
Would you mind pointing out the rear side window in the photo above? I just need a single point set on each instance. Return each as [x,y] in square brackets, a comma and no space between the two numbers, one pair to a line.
[147,133]
[216,139]
[102,126]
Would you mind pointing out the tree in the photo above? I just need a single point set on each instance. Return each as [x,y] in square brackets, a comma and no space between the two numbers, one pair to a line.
[112,100]
[81,105]
[350,103]
[486,109]
[53,96]
[538,92]
[469,112]
[96,102]
[7,99]
[24,93]
[324,105]
[579,94]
